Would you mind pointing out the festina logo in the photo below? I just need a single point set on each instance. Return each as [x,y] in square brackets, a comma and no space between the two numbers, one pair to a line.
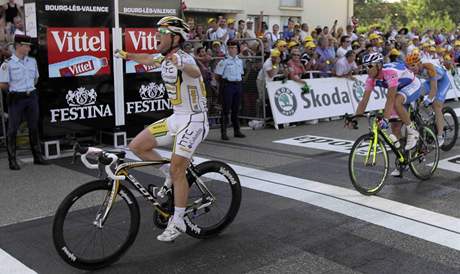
[148,106]
[79,42]
[80,113]
[143,40]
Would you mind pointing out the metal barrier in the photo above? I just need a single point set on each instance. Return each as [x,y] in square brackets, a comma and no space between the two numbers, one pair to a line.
[251,104]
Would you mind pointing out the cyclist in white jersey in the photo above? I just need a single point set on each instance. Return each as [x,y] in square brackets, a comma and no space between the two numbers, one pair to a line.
[186,127]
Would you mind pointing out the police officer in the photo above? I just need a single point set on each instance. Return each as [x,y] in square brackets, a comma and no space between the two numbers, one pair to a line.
[230,71]
[19,74]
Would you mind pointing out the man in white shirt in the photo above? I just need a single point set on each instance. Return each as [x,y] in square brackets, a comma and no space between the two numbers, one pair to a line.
[351,34]
[345,46]
[304,32]
[346,66]
[222,34]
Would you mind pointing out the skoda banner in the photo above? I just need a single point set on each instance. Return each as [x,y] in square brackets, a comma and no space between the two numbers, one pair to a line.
[326,99]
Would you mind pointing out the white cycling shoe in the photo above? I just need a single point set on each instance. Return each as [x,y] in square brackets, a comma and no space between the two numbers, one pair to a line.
[441,140]
[173,230]
[412,138]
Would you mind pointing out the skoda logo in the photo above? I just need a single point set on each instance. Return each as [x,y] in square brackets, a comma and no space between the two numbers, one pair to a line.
[358,90]
[285,101]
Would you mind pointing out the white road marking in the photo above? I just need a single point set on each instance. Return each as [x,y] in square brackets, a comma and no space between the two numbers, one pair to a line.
[421,223]
[451,164]
[10,265]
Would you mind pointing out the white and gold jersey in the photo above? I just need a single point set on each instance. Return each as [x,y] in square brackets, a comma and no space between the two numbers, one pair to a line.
[187,94]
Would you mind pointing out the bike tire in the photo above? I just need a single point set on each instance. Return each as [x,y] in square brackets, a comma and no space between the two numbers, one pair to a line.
[450,130]
[358,184]
[427,138]
[62,235]
[204,171]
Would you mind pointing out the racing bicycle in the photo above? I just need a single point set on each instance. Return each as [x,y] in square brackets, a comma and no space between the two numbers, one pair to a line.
[368,162]
[98,221]
[450,125]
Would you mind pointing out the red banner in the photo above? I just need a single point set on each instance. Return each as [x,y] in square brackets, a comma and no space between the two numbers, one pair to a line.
[78,51]
[141,40]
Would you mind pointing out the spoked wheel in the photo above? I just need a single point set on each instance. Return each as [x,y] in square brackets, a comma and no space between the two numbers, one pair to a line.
[424,158]
[368,164]
[81,240]
[214,199]
[450,128]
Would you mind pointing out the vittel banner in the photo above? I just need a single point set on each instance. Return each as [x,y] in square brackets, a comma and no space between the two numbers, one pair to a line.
[140,40]
[74,52]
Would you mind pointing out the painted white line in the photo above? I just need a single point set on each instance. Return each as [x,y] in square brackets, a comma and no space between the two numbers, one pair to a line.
[451,164]
[457,111]
[10,265]
[421,223]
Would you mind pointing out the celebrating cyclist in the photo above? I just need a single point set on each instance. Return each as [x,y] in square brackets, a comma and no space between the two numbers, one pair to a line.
[436,82]
[187,127]
[403,88]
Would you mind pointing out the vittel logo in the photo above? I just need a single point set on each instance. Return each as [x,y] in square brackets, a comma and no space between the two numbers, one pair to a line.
[143,40]
[68,41]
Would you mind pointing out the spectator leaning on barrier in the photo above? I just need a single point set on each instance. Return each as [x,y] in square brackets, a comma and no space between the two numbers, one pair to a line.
[295,67]
[326,55]
[267,73]
[346,66]
[230,71]
[19,74]
[281,45]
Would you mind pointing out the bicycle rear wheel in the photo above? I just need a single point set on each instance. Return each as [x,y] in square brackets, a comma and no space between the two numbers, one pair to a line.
[424,158]
[219,202]
[77,238]
[450,128]
[368,168]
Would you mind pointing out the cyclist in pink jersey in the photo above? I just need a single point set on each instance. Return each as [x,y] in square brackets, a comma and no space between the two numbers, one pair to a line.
[403,89]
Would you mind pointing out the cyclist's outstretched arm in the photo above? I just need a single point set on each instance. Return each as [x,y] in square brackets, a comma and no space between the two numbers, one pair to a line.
[391,97]
[143,58]
[362,105]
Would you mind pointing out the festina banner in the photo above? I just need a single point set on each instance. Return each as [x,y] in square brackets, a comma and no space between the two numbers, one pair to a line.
[78,52]
[141,40]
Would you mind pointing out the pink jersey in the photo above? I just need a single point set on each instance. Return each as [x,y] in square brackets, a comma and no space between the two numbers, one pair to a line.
[392,75]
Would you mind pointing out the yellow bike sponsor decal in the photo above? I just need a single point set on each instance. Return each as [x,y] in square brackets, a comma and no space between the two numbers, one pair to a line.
[159,128]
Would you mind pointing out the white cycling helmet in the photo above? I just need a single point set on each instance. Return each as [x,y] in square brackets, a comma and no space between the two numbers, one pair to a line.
[372,58]
[175,25]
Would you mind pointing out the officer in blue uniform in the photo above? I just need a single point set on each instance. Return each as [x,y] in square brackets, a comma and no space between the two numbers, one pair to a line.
[19,74]
[230,71]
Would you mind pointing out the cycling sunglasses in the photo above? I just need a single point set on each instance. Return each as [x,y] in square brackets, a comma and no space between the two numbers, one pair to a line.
[164,31]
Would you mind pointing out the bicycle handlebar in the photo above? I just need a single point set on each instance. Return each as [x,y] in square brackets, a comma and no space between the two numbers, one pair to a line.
[105,158]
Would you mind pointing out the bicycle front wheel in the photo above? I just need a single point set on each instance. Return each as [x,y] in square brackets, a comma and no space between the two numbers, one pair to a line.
[450,128]
[368,164]
[424,158]
[214,199]
[78,238]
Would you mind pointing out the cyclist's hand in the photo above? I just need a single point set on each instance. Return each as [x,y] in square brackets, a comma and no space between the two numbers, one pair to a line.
[427,101]
[119,53]
[350,122]
[383,123]
[176,61]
